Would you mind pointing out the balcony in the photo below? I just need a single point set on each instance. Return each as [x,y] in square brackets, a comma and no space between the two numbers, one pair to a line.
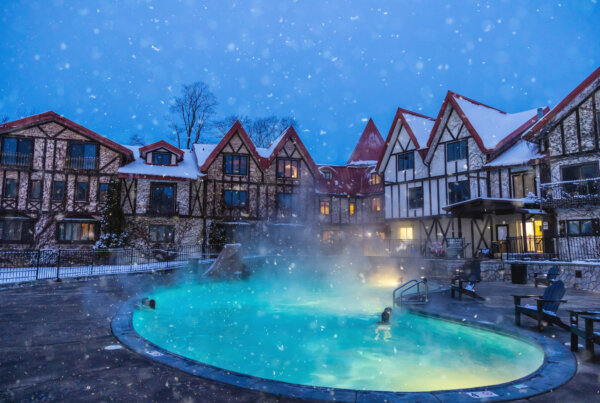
[19,160]
[570,193]
[82,163]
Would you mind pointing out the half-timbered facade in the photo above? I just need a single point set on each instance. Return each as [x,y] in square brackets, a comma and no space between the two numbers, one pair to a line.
[569,135]
[437,185]
[54,177]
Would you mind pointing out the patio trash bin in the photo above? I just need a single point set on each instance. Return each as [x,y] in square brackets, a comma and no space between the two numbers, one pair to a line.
[518,272]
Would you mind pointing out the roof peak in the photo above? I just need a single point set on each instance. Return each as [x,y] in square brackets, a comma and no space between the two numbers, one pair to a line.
[369,146]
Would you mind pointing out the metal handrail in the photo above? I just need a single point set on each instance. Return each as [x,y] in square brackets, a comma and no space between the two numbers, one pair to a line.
[400,287]
[418,285]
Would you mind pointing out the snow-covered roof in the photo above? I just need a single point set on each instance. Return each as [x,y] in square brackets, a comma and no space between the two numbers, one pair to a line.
[420,126]
[267,152]
[370,145]
[362,163]
[519,153]
[202,151]
[491,124]
[186,169]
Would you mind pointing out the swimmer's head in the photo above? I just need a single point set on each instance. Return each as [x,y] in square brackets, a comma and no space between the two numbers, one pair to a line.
[152,304]
[385,316]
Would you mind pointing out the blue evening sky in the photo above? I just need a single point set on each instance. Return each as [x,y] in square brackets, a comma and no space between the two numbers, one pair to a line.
[113,65]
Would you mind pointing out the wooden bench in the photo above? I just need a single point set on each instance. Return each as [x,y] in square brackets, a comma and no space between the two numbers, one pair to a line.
[587,332]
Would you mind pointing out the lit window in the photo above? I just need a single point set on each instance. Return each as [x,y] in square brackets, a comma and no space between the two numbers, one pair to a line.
[374,179]
[405,161]
[76,232]
[236,165]
[287,168]
[324,207]
[351,208]
[456,150]
[405,233]
[375,204]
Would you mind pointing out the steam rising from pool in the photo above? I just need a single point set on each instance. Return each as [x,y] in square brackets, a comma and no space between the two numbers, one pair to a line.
[313,322]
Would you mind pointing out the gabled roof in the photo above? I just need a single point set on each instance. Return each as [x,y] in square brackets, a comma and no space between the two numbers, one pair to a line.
[289,134]
[564,103]
[520,153]
[51,116]
[490,127]
[369,146]
[236,128]
[348,180]
[187,169]
[161,144]
[417,126]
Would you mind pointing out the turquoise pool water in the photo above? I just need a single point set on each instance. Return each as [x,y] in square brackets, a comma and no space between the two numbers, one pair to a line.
[292,323]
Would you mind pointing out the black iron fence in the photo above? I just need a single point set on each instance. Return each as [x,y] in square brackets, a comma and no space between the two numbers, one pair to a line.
[568,249]
[31,265]
[583,191]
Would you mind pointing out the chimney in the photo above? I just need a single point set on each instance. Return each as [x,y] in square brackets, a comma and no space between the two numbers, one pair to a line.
[540,113]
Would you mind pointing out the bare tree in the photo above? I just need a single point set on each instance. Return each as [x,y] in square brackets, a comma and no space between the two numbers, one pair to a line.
[262,131]
[3,119]
[136,140]
[192,112]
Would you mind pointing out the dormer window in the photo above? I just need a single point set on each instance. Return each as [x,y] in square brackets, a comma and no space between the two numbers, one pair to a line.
[374,179]
[161,158]
[327,175]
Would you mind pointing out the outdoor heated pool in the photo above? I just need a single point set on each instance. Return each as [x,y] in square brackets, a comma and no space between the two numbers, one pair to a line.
[315,324]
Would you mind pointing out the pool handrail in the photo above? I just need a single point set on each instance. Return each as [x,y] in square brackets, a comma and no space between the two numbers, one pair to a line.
[410,284]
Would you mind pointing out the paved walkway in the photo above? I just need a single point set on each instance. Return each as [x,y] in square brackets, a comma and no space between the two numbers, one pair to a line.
[53,338]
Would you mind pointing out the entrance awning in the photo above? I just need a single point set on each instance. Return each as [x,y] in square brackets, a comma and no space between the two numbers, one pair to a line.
[477,208]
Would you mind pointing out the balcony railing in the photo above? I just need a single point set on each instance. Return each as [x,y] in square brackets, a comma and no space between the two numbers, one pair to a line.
[574,248]
[86,163]
[16,159]
[583,191]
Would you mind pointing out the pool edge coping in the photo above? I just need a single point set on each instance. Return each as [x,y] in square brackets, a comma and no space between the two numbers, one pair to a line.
[558,368]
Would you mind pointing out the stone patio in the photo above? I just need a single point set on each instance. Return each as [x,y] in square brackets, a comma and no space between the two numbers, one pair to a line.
[54,336]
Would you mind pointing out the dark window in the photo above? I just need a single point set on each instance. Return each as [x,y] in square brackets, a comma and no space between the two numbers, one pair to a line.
[406,161]
[83,156]
[162,233]
[10,188]
[162,198]
[287,203]
[324,207]
[76,231]
[522,185]
[415,197]
[458,191]
[81,191]
[161,158]
[456,150]
[235,198]
[579,173]
[15,231]
[375,204]
[35,192]
[580,228]
[327,174]
[102,192]
[287,168]
[374,179]
[236,164]
[17,151]
[58,190]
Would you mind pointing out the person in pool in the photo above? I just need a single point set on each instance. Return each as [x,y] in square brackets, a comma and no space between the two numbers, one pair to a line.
[385,316]
[383,330]
[146,303]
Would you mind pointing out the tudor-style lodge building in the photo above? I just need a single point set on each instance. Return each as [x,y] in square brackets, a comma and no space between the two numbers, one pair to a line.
[475,178]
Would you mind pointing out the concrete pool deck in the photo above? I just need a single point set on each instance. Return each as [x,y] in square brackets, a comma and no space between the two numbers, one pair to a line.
[53,338]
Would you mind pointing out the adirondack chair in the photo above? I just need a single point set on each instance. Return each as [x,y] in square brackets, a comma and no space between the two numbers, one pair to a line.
[546,278]
[546,306]
[587,332]
[464,282]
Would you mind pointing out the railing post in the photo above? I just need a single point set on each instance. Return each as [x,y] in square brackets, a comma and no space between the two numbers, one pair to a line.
[568,247]
[37,264]
[93,256]
[130,259]
[58,266]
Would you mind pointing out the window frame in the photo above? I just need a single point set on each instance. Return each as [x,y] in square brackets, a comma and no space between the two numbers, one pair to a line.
[408,159]
[324,207]
[522,176]
[76,190]
[19,139]
[282,174]
[16,189]
[579,223]
[62,199]
[451,192]
[163,153]
[170,239]
[351,208]
[95,231]
[173,210]
[84,144]
[374,178]
[234,156]
[30,194]
[238,192]
[26,235]
[292,210]
[411,199]
[452,146]
[99,193]
[326,175]
[376,207]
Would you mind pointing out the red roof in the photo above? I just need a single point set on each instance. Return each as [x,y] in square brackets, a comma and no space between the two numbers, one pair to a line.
[564,103]
[236,128]
[161,144]
[289,134]
[369,146]
[51,116]
[348,180]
